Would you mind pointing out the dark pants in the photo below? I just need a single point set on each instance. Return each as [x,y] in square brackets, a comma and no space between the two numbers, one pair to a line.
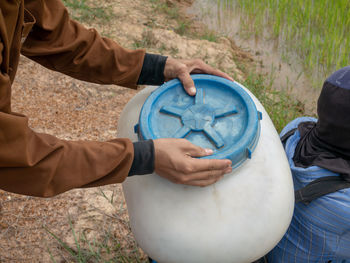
[261,260]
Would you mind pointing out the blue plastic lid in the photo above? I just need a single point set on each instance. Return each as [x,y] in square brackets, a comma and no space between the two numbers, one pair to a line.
[221,116]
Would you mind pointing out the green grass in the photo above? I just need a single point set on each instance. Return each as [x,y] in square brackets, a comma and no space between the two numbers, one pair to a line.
[86,12]
[163,7]
[107,249]
[209,35]
[182,28]
[281,106]
[316,31]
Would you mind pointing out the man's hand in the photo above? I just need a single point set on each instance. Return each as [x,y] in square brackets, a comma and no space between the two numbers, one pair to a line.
[174,161]
[175,68]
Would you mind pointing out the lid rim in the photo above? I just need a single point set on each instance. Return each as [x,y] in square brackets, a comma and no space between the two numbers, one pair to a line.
[251,130]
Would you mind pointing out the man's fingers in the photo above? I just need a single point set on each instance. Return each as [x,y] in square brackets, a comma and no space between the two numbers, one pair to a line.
[200,67]
[188,83]
[196,151]
[204,164]
[206,174]
[221,74]
[208,166]
[212,71]
[182,69]
[174,161]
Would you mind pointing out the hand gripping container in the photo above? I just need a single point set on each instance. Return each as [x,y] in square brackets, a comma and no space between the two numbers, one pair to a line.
[238,219]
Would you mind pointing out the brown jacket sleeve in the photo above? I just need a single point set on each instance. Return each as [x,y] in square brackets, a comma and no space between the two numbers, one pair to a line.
[66,46]
[40,164]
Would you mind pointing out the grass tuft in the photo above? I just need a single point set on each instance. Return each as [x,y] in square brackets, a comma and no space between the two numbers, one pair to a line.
[86,12]
[107,249]
[209,35]
[148,40]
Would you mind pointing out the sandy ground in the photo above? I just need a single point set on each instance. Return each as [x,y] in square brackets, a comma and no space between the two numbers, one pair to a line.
[75,110]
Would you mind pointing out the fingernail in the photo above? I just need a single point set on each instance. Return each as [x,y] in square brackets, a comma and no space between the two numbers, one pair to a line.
[193,91]
[209,151]
[228,170]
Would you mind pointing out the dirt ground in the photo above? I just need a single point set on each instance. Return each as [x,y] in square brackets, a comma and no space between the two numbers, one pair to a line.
[76,110]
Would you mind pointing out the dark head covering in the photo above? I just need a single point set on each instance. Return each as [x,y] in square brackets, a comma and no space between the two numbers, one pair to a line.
[327,142]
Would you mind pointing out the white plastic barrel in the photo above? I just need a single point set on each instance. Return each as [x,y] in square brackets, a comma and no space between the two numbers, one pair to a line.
[238,219]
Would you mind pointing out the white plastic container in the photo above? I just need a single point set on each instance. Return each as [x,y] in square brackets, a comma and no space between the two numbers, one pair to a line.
[238,219]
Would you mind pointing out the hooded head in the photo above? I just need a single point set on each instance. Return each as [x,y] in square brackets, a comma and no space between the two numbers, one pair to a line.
[327,143]
[333,109]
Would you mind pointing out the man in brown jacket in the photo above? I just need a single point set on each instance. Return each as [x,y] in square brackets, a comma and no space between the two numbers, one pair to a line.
[42,165]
